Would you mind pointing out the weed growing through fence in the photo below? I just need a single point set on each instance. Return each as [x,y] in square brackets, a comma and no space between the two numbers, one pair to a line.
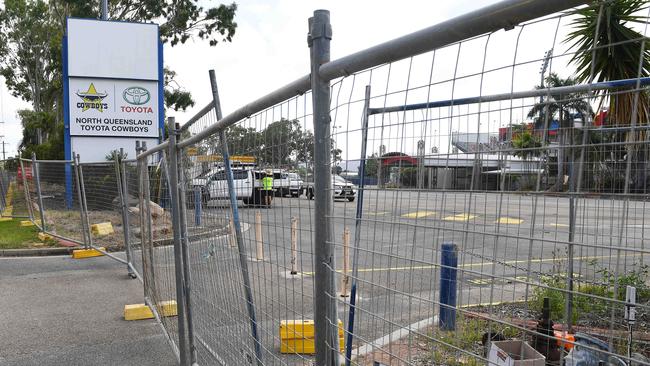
[601,290]
[467,336]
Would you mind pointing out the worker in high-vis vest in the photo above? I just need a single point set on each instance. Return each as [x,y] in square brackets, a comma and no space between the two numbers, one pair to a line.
[267,187]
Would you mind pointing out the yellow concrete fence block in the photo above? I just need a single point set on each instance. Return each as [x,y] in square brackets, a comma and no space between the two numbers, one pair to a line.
[297,336]
[304,346]
[43,236]
[101,229]
[142,311]
[3,219]
[87,253]
[26,223]
[295,329]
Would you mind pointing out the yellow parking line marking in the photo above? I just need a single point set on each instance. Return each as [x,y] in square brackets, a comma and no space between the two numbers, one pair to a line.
[460,217]
[480,282]
[381,213]
[509,221]
[469,265]
[558,225]
[418,214]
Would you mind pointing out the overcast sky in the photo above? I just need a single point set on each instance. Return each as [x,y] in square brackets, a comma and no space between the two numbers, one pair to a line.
[270,50]
[270,47]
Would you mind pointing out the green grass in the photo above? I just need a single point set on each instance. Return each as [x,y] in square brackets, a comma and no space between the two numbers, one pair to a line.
[14,236]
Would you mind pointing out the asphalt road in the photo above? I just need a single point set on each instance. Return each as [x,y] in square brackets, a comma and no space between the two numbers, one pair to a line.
[506,242]
[62,311]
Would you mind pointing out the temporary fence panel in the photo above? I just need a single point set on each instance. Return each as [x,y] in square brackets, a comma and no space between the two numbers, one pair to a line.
[13,203]
[61,197]
[156,238]
[492,202]
[492,195]
[240,245]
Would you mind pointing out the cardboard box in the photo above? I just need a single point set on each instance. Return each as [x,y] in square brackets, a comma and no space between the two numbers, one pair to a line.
[514,353]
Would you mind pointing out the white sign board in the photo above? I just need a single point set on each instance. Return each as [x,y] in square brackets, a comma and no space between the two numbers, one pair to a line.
[105,49]
[112,79]
[105,107]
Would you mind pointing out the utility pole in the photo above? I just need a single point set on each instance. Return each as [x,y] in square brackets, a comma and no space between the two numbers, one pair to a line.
[2,137]
[104,9]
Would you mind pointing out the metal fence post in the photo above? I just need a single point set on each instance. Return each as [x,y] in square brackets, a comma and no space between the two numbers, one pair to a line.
[120,174]
[243,261]
[357,227]
[147,224]
[28,201]
[3,182]
[75,163]
[184,248]
[325,317]
[183,345]
[84,203]
[39,194]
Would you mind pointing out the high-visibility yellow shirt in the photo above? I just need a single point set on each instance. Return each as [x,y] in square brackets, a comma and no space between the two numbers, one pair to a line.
[267,182]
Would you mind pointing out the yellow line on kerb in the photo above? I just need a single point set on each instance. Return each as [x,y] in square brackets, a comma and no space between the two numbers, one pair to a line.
[469,265]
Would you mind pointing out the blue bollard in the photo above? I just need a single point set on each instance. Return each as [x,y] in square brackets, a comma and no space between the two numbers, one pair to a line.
[197,206]
[449,267]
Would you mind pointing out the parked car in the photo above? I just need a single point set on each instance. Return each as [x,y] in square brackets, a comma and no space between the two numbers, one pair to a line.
[341,188]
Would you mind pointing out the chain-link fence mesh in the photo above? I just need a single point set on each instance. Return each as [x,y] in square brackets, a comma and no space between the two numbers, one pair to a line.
[101,185]
[61,200]
[156,237]
[473,199]
[273,144]
[481,182]
[13,202]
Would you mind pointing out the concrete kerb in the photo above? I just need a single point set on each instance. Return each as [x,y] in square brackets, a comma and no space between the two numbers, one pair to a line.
[40,252]
[36,252]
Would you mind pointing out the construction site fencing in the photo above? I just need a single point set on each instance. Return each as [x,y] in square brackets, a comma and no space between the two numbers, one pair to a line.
[493,201]
[498,210]
[14,204]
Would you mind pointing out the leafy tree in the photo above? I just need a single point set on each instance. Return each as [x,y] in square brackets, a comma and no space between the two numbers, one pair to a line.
[52,133]
[526,144]
[305,149]
[616,52]
[371,165]
[562,106]
[31,32]
[279,141]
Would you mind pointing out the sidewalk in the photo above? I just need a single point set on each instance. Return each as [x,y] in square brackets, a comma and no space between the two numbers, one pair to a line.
[60,311]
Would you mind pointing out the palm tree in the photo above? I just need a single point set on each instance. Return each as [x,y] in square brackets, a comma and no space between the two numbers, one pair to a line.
[563,106]
[615,52]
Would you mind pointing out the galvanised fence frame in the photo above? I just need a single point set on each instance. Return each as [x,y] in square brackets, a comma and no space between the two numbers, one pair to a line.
[225,277]
[503,15]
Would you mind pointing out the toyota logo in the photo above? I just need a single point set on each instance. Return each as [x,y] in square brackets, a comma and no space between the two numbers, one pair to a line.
[136,95]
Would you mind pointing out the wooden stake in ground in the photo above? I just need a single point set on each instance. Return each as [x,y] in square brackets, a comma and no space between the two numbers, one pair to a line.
[294,246]
[346,262]
[258,236]
[233,238]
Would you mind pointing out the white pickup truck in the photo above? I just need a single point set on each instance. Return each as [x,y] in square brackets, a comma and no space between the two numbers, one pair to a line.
[214,185]
[285,183]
